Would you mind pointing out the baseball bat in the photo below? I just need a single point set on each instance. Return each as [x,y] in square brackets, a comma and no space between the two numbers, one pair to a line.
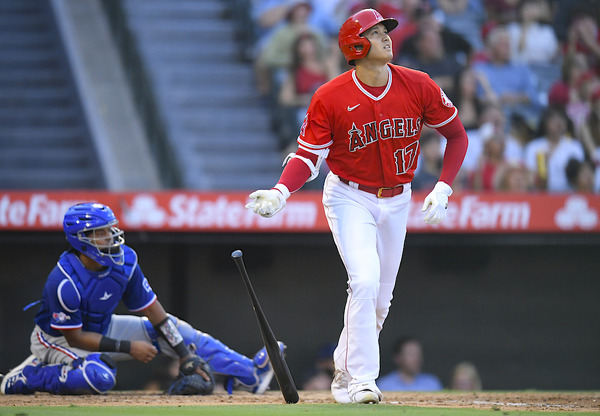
[280,367]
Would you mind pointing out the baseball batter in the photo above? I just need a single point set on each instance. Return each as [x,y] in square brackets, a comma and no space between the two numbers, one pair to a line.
[366,124]
[77,338]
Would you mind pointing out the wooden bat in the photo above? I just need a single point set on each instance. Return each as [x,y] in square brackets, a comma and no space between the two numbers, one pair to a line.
[280,367]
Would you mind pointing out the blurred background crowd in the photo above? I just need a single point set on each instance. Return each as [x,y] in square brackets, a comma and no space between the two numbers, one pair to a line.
[524,74]
[408,363]
[209,94]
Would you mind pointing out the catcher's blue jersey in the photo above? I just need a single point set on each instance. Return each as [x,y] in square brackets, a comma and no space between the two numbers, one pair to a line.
[75,297]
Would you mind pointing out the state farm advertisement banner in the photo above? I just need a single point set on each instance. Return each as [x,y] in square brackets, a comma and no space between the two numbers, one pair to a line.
[189,211]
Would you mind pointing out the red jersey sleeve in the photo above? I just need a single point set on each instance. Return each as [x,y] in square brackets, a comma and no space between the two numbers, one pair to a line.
[438,110]
[316,131]
[456,148]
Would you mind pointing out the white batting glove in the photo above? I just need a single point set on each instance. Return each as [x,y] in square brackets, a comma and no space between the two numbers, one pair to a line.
[436,203]
[267,203]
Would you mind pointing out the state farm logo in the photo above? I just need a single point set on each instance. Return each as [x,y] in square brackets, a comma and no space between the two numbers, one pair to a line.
[576,214]
[34,210]
[196,211]
[144,210]
[472,213]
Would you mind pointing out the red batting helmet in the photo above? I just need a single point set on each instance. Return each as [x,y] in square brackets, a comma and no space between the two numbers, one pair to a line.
[357,24]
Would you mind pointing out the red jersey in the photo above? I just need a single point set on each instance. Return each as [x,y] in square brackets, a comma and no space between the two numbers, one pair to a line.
[374,140]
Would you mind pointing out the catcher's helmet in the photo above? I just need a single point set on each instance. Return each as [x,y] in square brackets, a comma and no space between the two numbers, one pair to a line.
[80,225]
[349,36]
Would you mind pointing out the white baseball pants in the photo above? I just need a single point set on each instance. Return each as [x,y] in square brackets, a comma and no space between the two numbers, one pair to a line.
[369,233]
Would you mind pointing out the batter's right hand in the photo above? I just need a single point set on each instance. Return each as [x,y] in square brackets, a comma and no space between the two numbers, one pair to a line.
[143,351]
[266,203]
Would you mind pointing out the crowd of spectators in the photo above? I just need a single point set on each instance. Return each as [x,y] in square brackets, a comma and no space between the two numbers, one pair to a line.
[407,357]
[524,74]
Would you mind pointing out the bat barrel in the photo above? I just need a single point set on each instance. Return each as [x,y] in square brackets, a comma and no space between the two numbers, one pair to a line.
[280,368]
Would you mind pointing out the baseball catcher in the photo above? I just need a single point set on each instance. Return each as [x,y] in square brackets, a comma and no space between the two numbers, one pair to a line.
[77,339]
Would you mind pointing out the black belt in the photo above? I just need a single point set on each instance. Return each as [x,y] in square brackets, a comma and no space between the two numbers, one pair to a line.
[382,192]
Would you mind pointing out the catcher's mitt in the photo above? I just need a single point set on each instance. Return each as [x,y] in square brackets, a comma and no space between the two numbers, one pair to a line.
[189,382]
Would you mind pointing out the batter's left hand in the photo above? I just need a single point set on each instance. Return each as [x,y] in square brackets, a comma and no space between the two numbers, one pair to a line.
[436,203]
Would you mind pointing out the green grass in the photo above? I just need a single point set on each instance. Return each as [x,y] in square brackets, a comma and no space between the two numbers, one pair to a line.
[269,410]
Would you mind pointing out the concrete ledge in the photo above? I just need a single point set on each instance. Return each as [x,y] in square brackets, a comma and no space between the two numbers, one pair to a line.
[116,128]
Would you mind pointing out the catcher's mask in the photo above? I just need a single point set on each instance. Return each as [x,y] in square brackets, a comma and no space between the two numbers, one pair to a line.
[91,229]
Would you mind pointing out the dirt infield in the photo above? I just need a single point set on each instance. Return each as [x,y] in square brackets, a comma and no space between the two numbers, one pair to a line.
[522,401]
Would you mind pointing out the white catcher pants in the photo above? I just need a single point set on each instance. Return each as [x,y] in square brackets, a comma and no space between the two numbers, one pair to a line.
[369,233]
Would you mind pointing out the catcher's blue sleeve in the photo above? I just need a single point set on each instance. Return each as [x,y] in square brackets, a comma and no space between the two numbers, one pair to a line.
[138,293]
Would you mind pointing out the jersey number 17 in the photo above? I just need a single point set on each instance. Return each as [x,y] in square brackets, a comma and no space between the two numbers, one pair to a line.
[405,157]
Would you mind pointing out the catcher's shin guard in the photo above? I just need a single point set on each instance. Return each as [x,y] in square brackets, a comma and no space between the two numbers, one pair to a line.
[95,374]
[221,358]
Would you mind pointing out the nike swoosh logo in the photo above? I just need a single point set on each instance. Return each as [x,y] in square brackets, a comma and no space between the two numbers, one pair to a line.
[106,296]
[352,108]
